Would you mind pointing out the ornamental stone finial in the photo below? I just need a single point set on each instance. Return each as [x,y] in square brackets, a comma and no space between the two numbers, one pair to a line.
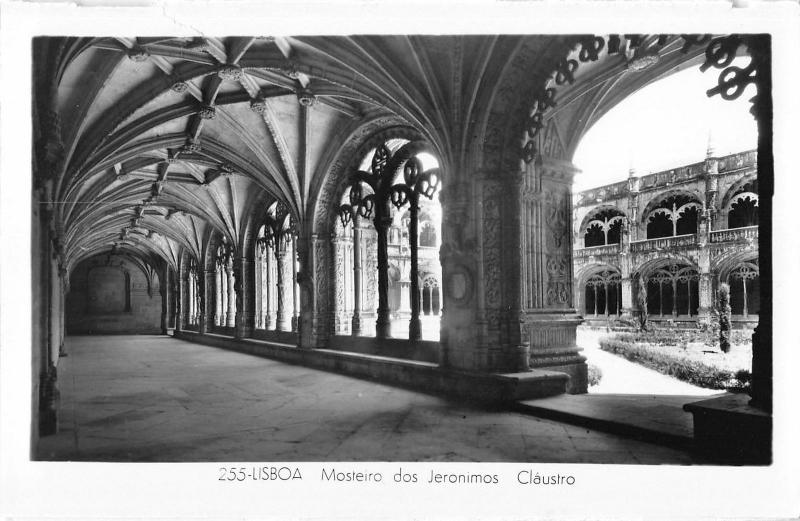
[710,147]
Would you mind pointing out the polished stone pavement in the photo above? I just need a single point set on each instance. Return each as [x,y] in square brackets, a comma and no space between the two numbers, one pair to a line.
[155,398]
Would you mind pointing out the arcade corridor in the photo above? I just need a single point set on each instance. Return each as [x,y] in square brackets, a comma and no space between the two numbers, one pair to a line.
[155,398]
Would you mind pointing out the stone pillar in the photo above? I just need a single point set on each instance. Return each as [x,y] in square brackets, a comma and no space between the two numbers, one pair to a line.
[316,272]
[270,290]
[218,313]
[206,287]
[164,289]
[55,310]
[340,281]
[704,284]
[356,322]
[63,277]
[626,283]
[180,303]
[244,280]
[414,324]
[284,322]
[295,296]
[259,289]
[626,288]
[405,303]
[548,319]
[383,325]
[230,314]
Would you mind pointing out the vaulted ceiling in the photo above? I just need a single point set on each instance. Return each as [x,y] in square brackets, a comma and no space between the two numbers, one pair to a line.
[164,142]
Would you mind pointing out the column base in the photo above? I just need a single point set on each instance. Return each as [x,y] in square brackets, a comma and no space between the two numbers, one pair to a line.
[294,324]
[415,329]
[383,325]
[355,326]
[552,346]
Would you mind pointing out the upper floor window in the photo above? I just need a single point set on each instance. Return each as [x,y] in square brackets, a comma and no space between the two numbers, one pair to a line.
[674,215]
[605,227]
[743,206]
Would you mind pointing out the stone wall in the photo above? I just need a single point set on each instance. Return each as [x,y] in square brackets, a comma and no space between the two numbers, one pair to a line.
[113,295]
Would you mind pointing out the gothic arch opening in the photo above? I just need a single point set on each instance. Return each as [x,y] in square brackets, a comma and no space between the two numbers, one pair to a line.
[672,291]
[602,294]
[672,216]
[224,286]
[277,299]
[603,227]
[745,293]
[388,234]
[742,208]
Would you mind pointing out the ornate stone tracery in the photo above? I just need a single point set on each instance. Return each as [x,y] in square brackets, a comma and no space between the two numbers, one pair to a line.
[369,196]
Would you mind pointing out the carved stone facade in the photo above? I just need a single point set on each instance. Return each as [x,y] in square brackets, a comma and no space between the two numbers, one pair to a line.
[682,231]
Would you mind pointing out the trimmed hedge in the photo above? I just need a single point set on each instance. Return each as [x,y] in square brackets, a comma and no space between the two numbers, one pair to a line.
[675,363]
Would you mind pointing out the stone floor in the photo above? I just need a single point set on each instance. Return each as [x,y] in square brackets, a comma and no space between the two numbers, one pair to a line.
[155,398]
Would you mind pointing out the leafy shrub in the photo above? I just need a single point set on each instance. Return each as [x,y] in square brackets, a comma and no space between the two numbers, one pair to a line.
[595,375]
[676,363]
[641,300]
[724,293]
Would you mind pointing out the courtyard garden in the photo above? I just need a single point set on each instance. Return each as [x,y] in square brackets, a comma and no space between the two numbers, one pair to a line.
[692,356]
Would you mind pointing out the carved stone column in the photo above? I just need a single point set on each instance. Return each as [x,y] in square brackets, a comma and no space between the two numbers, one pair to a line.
[55,303]
[259,288]
[549,320]
[230,313]
[356,322]
[295,296]
[269,290]
[471,305]
[180,301]
[284,317]
[164,290]
[339,254]
[218,313]
[206,287]
[383,325]
[704,286]
[315,274]
[626,268]
[414,324]
[63,277]
[245,296]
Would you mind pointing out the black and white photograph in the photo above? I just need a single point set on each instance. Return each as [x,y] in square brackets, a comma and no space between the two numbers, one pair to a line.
[488,265]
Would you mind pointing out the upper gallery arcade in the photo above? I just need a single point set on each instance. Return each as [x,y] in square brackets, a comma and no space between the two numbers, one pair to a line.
[327,192]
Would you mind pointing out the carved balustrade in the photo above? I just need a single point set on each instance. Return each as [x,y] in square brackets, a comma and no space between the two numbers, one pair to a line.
[665,243]
[595,251]
[734,234]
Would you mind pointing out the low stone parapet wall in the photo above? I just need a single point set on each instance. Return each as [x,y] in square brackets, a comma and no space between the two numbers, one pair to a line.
[417,375]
